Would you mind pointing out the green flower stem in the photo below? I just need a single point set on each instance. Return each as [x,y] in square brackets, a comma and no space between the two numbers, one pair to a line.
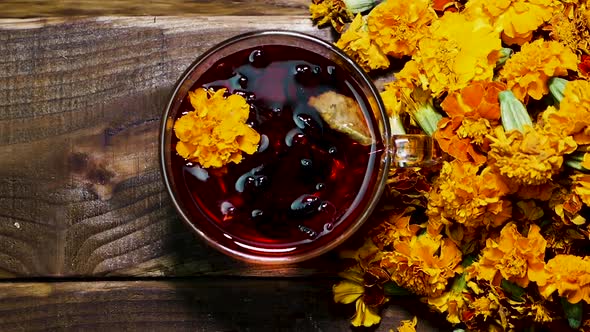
[505,54]
[397,127]
[513,112]
[359,6]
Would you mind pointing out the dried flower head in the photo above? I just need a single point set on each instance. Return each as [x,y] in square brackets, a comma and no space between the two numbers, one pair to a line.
[355,41]
[215,133]
[512,256]
[469,196]
[531,158]
[516,19]
[423,264]
[333,12]
[396,26]
[455,52]
[473,112]
[568,275]
[526,73]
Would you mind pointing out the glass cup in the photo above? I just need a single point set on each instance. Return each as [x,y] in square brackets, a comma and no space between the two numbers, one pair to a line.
[385,151]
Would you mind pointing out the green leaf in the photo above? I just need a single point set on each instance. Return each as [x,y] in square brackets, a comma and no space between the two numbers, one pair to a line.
[575,160]
[392,289]
[514,291]
[573,313]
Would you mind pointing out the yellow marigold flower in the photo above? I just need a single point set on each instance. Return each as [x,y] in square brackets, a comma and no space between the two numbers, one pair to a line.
[423,264]
[397,25]
[527,71]
[215,133]
[516,19]
[573,116]
[581,186]
[452,303]
[408,325]
[332,12]
[569,275]
[512,256]
[572,27]
[454,52]
[355,42]
[469,197]
[531,158]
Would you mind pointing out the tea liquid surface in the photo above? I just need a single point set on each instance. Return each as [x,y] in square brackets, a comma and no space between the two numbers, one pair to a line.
[307,180]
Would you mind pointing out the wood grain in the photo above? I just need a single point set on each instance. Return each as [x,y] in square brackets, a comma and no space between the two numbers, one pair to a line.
[80,189]
[188,305]
[41,8]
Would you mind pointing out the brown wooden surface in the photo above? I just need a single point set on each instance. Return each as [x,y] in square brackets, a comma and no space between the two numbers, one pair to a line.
[81,195]
[37,8]
[80,103]
[188,305]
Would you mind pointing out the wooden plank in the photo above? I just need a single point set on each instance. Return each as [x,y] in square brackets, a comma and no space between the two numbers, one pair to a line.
[38,8]
[80,102]
[188,305]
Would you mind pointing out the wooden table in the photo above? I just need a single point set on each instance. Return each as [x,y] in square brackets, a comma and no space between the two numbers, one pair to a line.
[89,239]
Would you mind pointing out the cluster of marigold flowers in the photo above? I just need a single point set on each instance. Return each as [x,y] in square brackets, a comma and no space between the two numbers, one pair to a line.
[497,236]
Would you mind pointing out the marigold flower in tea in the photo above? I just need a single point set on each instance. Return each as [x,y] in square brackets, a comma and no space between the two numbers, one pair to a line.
[423,264]
[473,112]
[526,73]
[469,196]
[397,25]
[215,133]
[455,52]
[408,325]
[516,19]
[568,275]
[355,41]
[332,12]
[512,256]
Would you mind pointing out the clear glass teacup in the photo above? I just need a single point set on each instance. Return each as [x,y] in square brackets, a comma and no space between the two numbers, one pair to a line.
[322,160]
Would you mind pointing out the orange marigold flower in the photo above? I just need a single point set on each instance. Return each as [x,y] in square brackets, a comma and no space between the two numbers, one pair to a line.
[423,264]
[573,116]
[527,71]
[468,196]
[516,19]
[332,12]
[512,256]
[454,52]
[396,26]
[215,133]
[473,111]
[355,41]
[531,158]
[396,227]
[569,275]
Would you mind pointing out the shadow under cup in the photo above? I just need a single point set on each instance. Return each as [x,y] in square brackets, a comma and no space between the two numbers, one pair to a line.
[273,64]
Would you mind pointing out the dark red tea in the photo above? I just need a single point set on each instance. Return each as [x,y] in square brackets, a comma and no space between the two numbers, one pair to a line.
[306,181]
